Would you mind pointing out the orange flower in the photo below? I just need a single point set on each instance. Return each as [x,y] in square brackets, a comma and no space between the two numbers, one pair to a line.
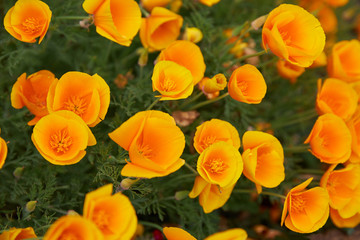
[341,222]
[3,151]
[336,3]
[172,80]
[344,61]
[320,61]
[32,92]
[192,34]
[214,131]
[160,29]
[305,211]
[293,34]
[87,96]
[330,139]
[114,214]
[247,85]
[263,158]
[150,4]
[354,127]
[18,234]
[186,54]
[118,21]
[174,233]
[337,97]
[154,142]
[231,234]
[73,227]
[209,3]
[288,70]
[327,18]
[61,137]
[28,20]
[214,84]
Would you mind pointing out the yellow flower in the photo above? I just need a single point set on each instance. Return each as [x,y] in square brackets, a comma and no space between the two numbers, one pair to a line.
[174,233]
[209,3]
[18,234]
[231,234]
[150,4]
[214,84]
[3,151]
[192,34]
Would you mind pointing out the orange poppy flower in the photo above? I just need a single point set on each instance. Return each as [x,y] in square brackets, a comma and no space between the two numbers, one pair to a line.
[174,233]
[288,70]
[209,3]
[154,142]
[214,84]
[61,137]
[201,85]
[354,127]
[114,214]
[73,227]
[3,151]
[263,158]
[231,234]
[186,54]
[172,81]
[341,222]
[330,139]
[150,4]
[28,20]
[118,21]
[31,92]
[87,96]
[18,234]
[336,3]
[213,131]
[192,34]
[319,61]
[247,85]
[293,34]
[160,29]
[305,211]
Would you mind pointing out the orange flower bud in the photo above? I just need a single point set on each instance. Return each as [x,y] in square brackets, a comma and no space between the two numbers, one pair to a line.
[18,234]
[247,85]
[215,84]
[3,151]
[305,211]
[341,222]
[193,34]
[150,4]
[28,20]
[209,3]
[293,34]
[118,21]
[231,234]
[160,29]
[288,70]
[174,233]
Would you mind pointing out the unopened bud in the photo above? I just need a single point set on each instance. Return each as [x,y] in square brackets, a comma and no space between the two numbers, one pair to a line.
[128,182]
[72,213]
[180,195]
[18,172]
[30,206]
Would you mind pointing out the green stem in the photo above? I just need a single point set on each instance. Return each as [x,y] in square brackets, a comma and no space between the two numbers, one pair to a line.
[263,192]
[297,149]
[208,101]
[310,171]
[251,55]
[153,104]
[73,17]
[56,210]
[191,168]
[150,224]
[299,119]
[193,99]
[146,13]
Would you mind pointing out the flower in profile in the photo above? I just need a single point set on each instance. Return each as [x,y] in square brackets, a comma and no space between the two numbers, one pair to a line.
[305,211]
[87,96]
[172,81]
[341,222]
[186,54]
[3,151]
[214,84]
[32,92]
[113,214]
[154,142]
[192,34]
[28,20]
[62,137]
[288,70]
[247,85]
[209,3]
[263,158]
[118,21]
[160,29]
[18,234]
[174,233]
[330,139]
[293,34]
[73,227]
[150,4]
[230,234]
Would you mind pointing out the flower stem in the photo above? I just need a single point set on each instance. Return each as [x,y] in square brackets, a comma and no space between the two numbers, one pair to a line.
[153,104]
[143,11]
[191,100]
[208,101]
[251,55]
[294,120]
[263,192]
[297,149]
[191,168]
[310,171]
[73,17]
[150,224]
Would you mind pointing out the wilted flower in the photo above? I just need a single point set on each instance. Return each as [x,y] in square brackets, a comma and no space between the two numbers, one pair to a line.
[192,34]
[209,3]
[18,234]
[174,233]
[288,70]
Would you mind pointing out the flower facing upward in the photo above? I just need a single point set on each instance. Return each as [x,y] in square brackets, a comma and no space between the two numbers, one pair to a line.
[3,151]
[28,20]
[18,234]
[174,233]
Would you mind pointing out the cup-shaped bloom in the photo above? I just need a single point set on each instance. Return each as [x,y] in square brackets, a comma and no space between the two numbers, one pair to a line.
[187,54]
[213,131]
[354,127]
[18,234]
[174,233]
[28,20]
[214,84]
[211,196]
[87,96]
[3,152]
[150,4]
[160,29]
[330,139]
[247,85]
[341,222]
[154,142]
[172,81]
[192,34]
[337,97]
[31,92]
[293,34]
[209,3]
[73,227]
[344,61]
[114,214]
[231,234]
[305,211]
[62,137]
[343,186]
[263,158]
[288,70]
[118,21]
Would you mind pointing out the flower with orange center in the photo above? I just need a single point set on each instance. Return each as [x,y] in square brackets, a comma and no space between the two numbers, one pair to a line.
[154,142]
[214,131]
[160,29]
[337,97]
[172,81]
[354,127]
[113,214]
[305,211]
[150,4]
[209,3]
[263,158]
[293,34]
[73,227]
[174,233]
[193,34]
[18,234]
[230,234]
[118,21]
[288,70]
[330,139]
[31,92]
[61,137]
[247,85]
[28,20]
[3,151]
[341,222]
[186,54]
[344,61]
[87,96]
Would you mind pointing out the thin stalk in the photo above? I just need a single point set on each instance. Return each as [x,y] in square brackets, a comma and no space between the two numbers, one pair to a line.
[193,99]
[296,120]
[153,104]
[191,168]
[150,224]
[263,192]
[251,55]
[199,105]
[143,11]
[310,171]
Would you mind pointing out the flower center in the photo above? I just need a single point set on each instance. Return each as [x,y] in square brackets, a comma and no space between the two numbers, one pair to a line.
[297,204]
[76,105]
[167,84]
[39,100]
[243,86]
[216,166]
[31,25]
[68,236]
[61,141]
[101,219]
[145,151]
[286,37]
[207,141]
